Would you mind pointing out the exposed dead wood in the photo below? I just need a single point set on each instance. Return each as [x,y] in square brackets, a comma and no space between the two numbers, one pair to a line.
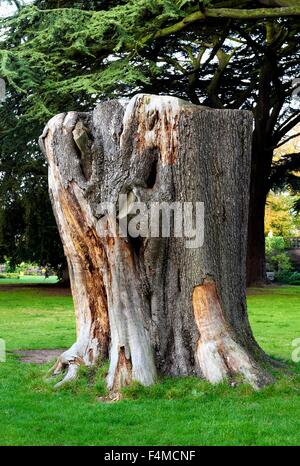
[156,303]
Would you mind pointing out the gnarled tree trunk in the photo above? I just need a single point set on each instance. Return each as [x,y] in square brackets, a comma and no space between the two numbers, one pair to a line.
[161,304]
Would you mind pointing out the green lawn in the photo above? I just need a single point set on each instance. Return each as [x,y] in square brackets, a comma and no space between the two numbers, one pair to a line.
[29,279]
[174,412]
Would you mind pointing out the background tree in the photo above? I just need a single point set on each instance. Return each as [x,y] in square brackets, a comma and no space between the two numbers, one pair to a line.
[277,258]
[230,54]
[284,173]
[27,228]
[281,217]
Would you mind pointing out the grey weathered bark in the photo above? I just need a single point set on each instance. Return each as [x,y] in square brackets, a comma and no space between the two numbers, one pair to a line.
[153,305]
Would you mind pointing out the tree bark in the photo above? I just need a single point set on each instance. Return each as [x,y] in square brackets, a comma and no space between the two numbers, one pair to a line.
[155,305]
[261,162]
[259,188]
[256,257]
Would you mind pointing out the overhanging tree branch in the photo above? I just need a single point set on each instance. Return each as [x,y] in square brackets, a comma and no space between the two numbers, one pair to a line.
[285,129]
[255,13]
[221,13]
[287,140]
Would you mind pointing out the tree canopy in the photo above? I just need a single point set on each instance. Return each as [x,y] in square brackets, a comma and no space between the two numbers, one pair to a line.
[58,55]
[103,49]
[281,217]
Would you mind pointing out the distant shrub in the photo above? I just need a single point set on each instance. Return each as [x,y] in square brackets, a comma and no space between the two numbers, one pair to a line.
[9,275]
[288,278]
[276,257]
[27,268]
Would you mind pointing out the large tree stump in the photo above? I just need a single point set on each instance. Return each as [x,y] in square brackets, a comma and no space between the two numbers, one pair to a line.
[155,305]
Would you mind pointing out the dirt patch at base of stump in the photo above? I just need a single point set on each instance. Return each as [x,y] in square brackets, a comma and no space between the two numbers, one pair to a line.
[39,356]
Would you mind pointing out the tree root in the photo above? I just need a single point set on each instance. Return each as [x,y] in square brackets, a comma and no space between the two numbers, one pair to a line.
[67,363]
[226,359]
[219,356]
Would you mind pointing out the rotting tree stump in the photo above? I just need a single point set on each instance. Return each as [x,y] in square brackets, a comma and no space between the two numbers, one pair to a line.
[155,304]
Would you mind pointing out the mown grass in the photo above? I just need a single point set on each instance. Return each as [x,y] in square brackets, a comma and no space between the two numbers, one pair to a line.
[29,280]
[36,317]
[173,412]
[275,318]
